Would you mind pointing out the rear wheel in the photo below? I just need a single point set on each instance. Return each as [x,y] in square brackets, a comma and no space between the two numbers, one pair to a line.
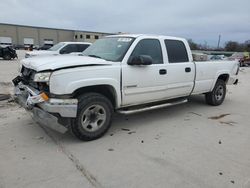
[94,117]
[217,95]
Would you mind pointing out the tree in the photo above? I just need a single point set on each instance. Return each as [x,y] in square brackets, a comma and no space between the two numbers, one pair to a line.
[232,46]
[193,45]
[247,46]
[235,46]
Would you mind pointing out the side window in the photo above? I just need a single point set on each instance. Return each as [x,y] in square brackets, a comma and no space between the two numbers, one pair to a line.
[176,50]
[150,47]
[68,49]
[82,47]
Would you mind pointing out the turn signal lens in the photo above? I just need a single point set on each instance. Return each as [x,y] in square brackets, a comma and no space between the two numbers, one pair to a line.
[44,96]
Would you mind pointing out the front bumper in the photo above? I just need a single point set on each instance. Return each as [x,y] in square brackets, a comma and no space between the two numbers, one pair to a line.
[48,113]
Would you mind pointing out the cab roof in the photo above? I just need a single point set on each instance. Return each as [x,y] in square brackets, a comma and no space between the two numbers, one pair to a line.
[146,35]
[67,42]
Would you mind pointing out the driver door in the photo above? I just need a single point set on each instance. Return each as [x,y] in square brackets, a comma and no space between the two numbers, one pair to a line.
[144,83]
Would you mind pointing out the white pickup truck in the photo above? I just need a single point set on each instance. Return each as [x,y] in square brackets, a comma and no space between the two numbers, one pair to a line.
[119,73]
[60,48]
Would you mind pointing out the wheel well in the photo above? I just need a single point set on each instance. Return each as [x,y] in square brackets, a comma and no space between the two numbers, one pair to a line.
[224,77]
[106,90]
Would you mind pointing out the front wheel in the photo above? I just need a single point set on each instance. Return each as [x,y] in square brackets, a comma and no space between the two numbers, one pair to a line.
[217,95]
[94,117]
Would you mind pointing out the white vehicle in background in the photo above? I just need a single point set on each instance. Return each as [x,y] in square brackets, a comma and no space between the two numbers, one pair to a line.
[216,57]
[5,42]
[28,42]
[60,48]
[120,73]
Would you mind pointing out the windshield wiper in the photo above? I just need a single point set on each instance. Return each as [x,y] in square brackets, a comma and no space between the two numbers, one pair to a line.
[96,56]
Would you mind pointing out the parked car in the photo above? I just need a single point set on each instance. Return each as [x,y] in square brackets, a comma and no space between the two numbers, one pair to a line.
[242,57]
[18,47]
[60,48]
[8,53]
[216,57]
[120,73]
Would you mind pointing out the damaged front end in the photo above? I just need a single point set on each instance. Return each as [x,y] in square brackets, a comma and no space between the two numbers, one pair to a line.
[33,94]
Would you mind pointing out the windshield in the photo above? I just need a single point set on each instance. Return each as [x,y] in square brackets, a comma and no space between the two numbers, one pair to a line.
[56,47]
[110,48]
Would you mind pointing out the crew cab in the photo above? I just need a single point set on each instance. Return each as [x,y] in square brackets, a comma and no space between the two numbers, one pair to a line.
[60,48]
[119,73]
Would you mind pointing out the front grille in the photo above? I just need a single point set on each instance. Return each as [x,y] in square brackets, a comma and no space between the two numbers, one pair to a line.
[28,74]
[28,79]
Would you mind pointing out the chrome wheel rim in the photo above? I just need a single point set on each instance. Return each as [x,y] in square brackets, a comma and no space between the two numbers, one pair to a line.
[219,92]
[93,118]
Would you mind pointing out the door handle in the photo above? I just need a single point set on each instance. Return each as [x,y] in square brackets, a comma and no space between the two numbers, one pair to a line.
[162,71]
[187,69]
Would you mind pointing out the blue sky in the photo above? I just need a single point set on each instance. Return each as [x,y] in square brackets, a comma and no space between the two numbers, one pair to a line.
[203,21]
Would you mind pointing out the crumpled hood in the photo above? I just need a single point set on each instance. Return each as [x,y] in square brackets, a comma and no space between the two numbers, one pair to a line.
[42,52]
[58,62]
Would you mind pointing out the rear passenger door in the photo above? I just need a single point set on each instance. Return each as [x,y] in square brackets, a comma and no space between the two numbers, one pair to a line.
[180,70]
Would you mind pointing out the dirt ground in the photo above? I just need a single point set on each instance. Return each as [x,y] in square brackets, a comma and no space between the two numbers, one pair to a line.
[192,145]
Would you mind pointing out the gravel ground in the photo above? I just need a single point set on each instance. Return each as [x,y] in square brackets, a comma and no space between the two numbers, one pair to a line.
[190,145]
[8,71]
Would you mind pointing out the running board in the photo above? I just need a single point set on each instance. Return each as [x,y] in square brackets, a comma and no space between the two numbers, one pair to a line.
[127,112]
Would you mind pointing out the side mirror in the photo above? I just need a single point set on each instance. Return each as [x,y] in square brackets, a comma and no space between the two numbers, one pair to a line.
[140,60]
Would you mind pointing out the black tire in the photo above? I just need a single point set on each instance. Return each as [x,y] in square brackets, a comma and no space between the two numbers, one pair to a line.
[93,109]
[7,57]
[217,95]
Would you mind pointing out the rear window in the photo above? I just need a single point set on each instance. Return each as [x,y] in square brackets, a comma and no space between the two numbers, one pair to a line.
[176,50]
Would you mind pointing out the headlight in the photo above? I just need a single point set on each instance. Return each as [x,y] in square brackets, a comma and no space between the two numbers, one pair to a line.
[42,77]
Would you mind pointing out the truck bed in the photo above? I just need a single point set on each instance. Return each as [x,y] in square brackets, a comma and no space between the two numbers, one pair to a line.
[207,73]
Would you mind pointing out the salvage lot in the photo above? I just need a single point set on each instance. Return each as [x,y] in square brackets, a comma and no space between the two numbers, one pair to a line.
[190,145]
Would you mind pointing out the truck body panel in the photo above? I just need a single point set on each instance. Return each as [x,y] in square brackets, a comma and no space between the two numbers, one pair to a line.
[60,48]
[208,72]
[125,71]
[133,84]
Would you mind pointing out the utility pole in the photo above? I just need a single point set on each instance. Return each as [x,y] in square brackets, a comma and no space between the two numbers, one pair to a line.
[218,42]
